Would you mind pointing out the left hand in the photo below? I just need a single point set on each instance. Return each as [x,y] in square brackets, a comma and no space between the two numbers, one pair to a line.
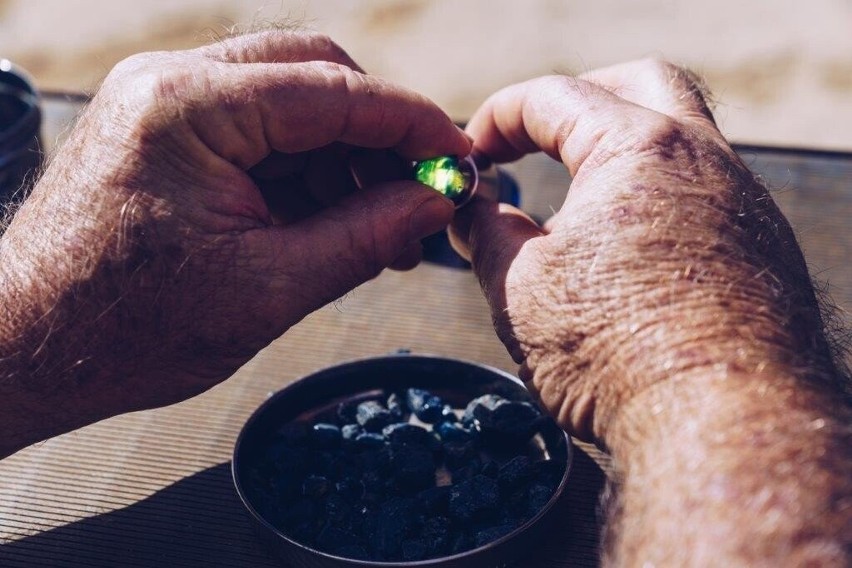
[202,206]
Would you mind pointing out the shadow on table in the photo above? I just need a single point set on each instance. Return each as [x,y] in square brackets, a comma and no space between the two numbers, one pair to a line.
[199,522]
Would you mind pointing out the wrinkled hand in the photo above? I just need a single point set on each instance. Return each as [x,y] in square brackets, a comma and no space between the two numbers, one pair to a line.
[202,206]
[666,260]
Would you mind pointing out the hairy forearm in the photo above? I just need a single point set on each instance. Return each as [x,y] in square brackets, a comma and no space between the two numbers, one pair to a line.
[47,320]
[698,359]
[718,468]
[68,347]
[735,446]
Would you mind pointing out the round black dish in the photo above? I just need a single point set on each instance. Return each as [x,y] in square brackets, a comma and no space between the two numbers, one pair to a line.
[20,121]
[455,381]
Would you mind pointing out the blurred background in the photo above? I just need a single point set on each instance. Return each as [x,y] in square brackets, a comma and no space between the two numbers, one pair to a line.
[781,70]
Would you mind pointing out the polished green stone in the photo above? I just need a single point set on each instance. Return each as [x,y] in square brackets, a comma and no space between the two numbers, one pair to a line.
[445,175]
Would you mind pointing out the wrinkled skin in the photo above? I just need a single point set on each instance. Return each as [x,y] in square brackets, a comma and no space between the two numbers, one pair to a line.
[202,206]
[665,240]
[665,313]
[205,203]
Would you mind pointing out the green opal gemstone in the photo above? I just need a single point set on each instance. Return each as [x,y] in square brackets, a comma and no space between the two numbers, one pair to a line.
[454,178]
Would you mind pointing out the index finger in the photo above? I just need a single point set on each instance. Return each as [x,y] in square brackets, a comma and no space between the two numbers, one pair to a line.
[661,86]
[565,117]
[277,46]
[242,112]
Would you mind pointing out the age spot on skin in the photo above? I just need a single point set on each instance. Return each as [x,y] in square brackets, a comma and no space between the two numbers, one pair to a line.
[675,144]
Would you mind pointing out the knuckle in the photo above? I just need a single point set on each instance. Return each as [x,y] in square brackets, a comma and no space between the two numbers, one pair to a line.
[131,65]
[273,43]
[145,81]
[687,85]
[336,76]
[660,67]
[323,43]
[663,137]
[669,74]
[367,254]
[148,93]
[331,69]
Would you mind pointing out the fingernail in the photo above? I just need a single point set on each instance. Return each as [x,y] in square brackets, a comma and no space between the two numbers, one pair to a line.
[430,217]
[466,135]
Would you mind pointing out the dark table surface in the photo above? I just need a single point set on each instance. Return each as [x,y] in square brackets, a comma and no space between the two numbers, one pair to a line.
[153,488]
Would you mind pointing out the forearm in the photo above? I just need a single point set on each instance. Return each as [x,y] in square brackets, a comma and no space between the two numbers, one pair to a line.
[68,351]
[47,320]
[727,469]
[715,392]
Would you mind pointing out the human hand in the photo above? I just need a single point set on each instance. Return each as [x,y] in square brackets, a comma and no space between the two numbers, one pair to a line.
[666,260]
[202,206]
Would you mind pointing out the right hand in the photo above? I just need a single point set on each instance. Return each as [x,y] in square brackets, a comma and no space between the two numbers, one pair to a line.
[667,258]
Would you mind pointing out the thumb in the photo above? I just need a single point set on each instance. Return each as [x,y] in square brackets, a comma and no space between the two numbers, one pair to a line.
[323,257]
[490,235]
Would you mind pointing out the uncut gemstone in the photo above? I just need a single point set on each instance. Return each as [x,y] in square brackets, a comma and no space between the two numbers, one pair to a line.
[287,485]
[425,405]
[514,472]
[461,543]
[492,533]
[325,436]
[351,431]
[316,486]
[396,405]
[404,434]
[437,530]
[350,488]
[490,468]
[517,502]
[338,511]
[473,498]
[364,487]
[391,525]
[331,464]
[447,415]
[374,483]
[346,411]
[434,500]
[413,467]
[454,432]
[479,405]
[332,539]
[370,440]
[538,497]
[372,416]
[376,460]
[503,421]
[470,470]
[548,473]
[415,549]
[305,532]
[459,454]
[299,512]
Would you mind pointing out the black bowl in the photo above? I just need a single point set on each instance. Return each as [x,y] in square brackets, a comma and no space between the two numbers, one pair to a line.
[20,121]
[320,393]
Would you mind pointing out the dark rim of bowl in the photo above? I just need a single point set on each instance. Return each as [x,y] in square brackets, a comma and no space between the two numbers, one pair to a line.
[15,137]
[557,493]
